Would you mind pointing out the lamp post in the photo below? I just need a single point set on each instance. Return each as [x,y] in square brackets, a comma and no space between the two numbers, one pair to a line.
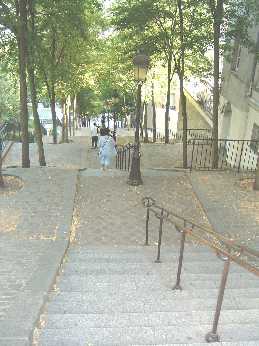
[141,64]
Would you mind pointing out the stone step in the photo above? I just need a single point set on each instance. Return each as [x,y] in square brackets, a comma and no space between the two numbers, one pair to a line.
[145,253]
[194,267]
[98,305]
[189,281]
[155,319]
[145,257]
[132,249]
[145,335]
[156,294]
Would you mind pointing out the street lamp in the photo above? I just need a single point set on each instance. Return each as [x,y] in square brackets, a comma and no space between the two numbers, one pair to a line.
[141,64]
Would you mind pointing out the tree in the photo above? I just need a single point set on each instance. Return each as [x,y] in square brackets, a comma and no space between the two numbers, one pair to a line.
[22,40]
[9,95]
[216,8]
[171,32]
[62,31]
[15,20]
[157,22]
[32,81]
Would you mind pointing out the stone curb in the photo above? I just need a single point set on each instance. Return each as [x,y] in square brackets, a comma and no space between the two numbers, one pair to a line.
[58,266]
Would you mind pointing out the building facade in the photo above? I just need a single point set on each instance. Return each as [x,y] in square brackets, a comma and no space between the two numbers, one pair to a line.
[239,103]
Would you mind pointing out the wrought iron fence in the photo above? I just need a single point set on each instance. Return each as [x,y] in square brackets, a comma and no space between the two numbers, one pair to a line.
[226,249]
[178,136]
[240,155]
[124,156]
[5,135]
[9,132]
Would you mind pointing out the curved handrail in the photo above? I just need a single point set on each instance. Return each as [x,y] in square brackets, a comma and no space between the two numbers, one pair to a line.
[226,249]
[240,254]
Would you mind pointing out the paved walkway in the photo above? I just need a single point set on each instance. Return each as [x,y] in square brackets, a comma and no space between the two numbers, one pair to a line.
[37,219]
[230,203]
[34,232]
[120,217]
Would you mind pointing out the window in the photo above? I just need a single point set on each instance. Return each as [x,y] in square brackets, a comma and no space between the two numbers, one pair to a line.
[255,137]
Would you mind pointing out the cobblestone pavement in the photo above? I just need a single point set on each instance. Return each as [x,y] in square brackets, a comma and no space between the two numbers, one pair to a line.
[119,218]
[34,231]
[230,203]
[67,155]
[42,208]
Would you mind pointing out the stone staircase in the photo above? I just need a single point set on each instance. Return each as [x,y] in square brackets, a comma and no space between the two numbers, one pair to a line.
[119,296]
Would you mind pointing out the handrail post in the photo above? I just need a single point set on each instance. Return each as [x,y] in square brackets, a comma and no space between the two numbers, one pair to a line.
[177,286]
[160,232]
[213,335]
[148,202]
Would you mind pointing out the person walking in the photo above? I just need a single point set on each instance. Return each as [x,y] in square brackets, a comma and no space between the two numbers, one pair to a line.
[94,135]
[107,148]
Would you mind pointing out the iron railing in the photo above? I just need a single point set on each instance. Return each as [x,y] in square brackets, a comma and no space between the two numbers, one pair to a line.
[3,137]
[178,136]
[124,156]
[9,132]
[240,155]
[226,249]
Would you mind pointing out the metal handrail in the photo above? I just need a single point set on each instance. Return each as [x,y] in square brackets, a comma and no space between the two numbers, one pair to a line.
[124,156]
[226,249]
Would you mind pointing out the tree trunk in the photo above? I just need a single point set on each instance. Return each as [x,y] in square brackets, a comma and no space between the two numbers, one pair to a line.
[168,97]
[145,123]
[218,14]
[181,78]
[69,116]
[52,85]
[63,107]
[31,75]
[53,112]
[1,176]
[154,113]
[23,54]
[76,112]
[37,125]
[66,121]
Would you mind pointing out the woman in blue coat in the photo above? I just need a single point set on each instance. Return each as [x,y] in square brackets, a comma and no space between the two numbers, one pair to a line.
[107,148]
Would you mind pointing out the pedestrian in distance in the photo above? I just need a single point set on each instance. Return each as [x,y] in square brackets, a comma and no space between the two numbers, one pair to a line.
[94,135]
[107,148]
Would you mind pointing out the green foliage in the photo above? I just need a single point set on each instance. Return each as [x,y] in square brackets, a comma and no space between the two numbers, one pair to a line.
[9,97]
[89,103]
